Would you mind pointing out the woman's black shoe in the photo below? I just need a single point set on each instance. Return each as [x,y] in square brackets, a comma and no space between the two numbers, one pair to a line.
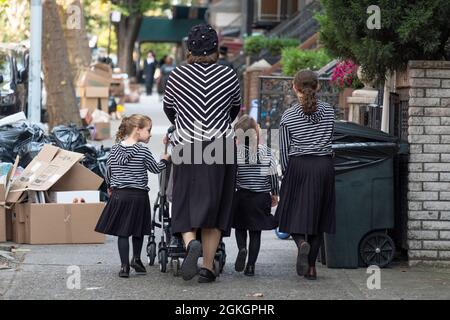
[302,258]
[138,266]
[206,276]
[189,267]
[249,271]
[124,272]
[311,274]
[240,260]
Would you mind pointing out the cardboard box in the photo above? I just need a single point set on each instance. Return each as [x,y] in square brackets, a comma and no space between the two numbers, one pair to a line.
[92,92]
[54,223]
[88,196]
[54,169]
[100,131]
[93,78]
[5,184]
[19,233]
[9,225]
[94,103]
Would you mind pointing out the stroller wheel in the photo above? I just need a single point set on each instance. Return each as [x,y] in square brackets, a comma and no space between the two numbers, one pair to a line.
[151,253]
[217,267]
[162,257]
[176,267]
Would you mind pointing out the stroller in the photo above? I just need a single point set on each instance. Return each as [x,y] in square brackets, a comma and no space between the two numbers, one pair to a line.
[170,248]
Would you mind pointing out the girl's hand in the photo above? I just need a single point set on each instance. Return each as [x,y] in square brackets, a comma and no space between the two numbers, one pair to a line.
[274,201]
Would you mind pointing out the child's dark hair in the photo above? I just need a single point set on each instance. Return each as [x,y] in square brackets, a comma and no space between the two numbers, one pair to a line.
[306,82]
[245,126]
[129,123]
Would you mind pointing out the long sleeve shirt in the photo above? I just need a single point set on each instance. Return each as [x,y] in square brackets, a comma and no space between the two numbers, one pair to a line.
[202,100]
[127,166]
[257,171]
[302,134]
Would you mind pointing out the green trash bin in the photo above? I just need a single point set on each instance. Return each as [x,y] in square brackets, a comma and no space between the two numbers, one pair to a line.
[364,164]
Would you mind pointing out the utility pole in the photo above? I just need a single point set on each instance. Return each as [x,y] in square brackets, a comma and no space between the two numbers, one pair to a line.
[34,84]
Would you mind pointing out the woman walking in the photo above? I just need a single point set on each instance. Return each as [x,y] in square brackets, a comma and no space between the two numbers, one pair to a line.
[307,198]
[202,99]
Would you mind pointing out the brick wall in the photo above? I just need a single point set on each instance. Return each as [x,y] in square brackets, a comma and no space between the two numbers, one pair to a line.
[429,166]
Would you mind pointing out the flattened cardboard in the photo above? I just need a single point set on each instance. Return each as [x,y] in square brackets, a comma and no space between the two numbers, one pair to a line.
[19,233]
[93,104]
[62,223]
[44,171]
[84,179]
[2,224]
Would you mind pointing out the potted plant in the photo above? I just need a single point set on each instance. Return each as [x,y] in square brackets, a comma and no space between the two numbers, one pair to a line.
[345,78]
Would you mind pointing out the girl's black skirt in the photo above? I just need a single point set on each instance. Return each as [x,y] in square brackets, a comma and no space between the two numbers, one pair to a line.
[127,213]
[307,196]
[252,211]
[203,193]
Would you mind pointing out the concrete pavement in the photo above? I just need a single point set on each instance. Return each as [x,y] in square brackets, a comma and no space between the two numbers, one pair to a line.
[42,272]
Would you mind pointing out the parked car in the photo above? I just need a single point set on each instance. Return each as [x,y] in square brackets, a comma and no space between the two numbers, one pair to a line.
[13,88]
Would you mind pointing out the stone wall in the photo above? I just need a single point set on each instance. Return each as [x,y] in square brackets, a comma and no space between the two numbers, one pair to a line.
[429,163]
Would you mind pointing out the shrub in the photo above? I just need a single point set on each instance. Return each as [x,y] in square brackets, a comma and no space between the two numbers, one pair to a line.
[293,60]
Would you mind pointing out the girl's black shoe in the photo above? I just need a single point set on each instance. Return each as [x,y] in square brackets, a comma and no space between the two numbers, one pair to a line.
[124,272]
[249,271]
[240,260]
[138,266]
[206,276]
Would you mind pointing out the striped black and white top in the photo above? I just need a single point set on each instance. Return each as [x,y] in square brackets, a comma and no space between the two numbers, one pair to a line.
[202,100]
[302,134]
[127,166]
[257,170]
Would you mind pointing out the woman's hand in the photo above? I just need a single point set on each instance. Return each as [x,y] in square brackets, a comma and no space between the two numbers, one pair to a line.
[166,140]
[109,192]
[166,156]
[274,201]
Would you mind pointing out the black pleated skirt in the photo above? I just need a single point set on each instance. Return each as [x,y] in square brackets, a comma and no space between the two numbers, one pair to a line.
[127,213]
[252,211]
[307,196]
[203,193]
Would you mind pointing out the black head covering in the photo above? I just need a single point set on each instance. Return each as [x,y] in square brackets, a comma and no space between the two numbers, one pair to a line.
[202,40]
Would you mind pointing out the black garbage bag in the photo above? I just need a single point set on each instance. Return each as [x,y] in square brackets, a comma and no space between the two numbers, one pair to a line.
[68,137]
[112,105]
[356,146]
[21,138]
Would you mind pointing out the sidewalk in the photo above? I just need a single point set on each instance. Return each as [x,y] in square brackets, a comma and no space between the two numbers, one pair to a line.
[42,272]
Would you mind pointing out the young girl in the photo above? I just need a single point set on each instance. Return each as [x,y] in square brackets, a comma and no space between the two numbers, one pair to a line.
[127,212]
[307,197]
[257,192]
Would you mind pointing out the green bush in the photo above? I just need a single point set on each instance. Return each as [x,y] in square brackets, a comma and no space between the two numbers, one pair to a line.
[254,45]
[410,30]
[293,60]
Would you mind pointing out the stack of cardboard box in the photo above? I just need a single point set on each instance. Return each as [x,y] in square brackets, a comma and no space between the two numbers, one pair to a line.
[39,205]
[93,87]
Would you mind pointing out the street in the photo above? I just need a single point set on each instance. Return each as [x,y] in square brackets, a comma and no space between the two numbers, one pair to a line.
[43,271]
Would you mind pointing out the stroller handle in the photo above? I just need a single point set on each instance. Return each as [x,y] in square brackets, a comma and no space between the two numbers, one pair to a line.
[169,131]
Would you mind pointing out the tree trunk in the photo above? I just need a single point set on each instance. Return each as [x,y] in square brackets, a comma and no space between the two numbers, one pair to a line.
[61,102]
[127,31]
[74,27]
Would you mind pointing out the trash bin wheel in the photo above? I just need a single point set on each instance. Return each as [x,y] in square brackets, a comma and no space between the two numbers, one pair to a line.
[377,249]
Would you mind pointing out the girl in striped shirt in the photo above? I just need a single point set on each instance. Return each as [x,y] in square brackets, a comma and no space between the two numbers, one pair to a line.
[307,197]
[127,212]
[257,192]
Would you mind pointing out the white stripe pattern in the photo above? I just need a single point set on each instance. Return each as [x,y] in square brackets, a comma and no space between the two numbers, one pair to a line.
[127,166]
[257,171]
[302,134]
[202,101]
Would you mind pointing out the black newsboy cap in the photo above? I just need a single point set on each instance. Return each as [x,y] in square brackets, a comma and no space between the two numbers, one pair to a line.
[202,40]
